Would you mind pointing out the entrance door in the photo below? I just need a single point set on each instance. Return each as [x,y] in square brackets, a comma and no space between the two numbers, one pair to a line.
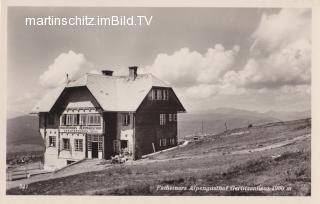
[94,149]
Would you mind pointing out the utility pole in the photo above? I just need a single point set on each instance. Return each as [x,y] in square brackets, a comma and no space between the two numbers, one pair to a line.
[202,127]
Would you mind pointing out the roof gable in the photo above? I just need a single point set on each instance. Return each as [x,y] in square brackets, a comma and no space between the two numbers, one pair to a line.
[113,93]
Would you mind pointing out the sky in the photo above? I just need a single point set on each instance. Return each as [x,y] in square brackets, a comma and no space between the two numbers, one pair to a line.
[247,58]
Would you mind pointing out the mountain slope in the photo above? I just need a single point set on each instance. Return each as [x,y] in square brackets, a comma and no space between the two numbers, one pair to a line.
[214,120]
[23,134]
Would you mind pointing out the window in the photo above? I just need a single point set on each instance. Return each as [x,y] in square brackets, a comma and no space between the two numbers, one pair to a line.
[170,117]
[153,94]
[94,119]
[63,120]
[69,119]
[83,120]
[78,145]
[174,117]
[100,146]
[164,142]
[165,94]
[159,94]
[172,141]
[66,144]
[162,119]
[70,162]
[124,144]
[126,119]
[52,141]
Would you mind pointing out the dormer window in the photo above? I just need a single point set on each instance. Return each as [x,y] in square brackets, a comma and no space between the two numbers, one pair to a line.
[159,94]
[165,94]
[126,120]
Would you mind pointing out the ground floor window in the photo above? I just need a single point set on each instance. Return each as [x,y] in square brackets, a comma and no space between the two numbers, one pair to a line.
[70,162]
[124,144]
[66,144]
[52,141]
[163,142]
[78,145]
[172,141]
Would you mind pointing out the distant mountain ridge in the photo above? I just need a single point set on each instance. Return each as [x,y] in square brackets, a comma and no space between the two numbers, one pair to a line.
[23,133]
[213,121]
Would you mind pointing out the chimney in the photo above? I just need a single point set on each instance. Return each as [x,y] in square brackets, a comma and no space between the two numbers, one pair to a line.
[133,72]
[67,76]
[107,72]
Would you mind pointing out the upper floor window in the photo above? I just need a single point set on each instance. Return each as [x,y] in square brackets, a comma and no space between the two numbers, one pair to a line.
[174,117]
[72,119]
[82,119]
[165,94]
[69,119]
[170,117]
[159,94]
[94,119]
[162,119]
[126,119]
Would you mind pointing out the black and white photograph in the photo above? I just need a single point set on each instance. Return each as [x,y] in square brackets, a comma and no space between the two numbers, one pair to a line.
[158,101]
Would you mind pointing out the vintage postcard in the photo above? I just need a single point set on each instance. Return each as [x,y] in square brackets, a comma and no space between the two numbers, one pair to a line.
[172,100]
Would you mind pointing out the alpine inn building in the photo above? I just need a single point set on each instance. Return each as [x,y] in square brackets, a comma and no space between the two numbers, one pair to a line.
[101,115]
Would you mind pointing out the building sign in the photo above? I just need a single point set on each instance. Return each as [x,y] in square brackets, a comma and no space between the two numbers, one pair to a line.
[81,129]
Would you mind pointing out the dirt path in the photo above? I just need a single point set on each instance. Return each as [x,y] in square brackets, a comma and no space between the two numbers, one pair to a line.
[82,167]
[272,146]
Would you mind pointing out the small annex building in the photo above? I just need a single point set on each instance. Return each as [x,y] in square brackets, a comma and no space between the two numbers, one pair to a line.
[101,115]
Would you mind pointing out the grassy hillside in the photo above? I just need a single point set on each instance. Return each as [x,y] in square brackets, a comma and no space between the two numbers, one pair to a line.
[275,157]
[23,135]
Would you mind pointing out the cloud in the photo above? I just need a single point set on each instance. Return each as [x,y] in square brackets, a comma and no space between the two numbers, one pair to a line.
[185,68]
[276,31]
[277,70]
[66,63]
[280,54]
